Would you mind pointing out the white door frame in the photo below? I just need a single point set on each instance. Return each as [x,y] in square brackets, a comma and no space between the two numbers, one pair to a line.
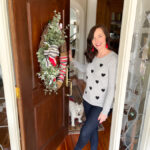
[6,62]
[129,13]
[127,28]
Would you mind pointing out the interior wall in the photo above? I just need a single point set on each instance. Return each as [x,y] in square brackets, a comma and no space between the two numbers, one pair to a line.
[91,15]
[86,18]
[147,4]
[80,8]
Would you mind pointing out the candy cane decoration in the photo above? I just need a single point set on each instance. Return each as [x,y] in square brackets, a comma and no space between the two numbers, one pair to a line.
[62,68]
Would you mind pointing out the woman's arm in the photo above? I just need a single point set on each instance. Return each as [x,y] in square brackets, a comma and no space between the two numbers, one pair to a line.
[110,91]
[78,65]
[111,86]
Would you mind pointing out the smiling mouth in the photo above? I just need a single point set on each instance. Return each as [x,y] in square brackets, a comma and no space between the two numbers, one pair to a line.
[97,45]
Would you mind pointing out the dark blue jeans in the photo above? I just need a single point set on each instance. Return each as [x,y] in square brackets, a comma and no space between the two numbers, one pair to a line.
[89,131]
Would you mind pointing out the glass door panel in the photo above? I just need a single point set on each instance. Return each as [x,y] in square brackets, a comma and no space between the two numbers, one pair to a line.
[138,79]
[4,134]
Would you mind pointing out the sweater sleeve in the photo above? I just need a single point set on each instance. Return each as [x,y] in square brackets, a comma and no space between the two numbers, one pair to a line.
[112,69]
[79,66]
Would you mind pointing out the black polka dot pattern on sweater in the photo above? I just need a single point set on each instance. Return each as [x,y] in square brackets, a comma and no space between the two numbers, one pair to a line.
[103,90]
[90,87]
[97,97]
[100,65]
[103,74]
[92,71]
[97,81]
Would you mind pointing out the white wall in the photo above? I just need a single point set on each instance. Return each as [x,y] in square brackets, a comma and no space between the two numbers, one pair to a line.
[146,4]
[80,7]
[86,11]
[91,14]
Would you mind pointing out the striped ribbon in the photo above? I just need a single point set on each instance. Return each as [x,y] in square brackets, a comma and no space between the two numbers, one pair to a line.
[62,68]
[52,52]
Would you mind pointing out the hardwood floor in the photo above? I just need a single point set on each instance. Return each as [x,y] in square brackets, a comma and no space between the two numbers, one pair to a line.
[71,140]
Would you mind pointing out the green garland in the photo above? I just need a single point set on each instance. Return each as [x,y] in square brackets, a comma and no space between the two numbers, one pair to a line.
[52,35]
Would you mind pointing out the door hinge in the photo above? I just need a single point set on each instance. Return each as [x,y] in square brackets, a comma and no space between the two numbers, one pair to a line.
[17,92]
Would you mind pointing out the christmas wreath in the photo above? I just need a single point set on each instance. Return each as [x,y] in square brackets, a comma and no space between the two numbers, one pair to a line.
[52,46]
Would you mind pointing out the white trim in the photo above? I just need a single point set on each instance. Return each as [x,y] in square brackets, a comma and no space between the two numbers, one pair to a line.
[129,14]
[8,77]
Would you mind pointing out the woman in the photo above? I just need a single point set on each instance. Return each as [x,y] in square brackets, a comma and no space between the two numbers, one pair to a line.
[100,84]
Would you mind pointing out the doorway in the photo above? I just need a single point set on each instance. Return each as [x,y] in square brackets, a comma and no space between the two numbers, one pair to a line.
[113,24]
[136,90]
[116,114]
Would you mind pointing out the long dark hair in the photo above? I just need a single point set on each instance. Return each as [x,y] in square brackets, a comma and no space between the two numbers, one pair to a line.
[89,53]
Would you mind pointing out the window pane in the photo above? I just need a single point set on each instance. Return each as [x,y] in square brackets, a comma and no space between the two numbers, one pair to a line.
[138,79]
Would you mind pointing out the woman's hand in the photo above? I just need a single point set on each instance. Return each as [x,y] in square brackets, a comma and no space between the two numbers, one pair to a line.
[102,118]
[70,55]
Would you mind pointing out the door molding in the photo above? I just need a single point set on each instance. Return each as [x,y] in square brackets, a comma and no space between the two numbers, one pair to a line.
[128,20]
[6,62]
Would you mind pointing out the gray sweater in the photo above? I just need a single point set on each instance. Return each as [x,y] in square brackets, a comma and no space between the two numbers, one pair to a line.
[100,80]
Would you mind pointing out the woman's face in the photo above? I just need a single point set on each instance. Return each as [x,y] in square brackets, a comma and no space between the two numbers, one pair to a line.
[99,39]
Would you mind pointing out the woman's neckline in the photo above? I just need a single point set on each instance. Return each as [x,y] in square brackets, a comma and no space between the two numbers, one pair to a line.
[104,55]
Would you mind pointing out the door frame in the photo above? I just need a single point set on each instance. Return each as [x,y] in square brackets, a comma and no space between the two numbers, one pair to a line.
[6,62]
[127,28]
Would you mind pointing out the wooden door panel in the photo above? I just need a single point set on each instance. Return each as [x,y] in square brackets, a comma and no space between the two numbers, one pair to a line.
[43,118]
[36,26]
[48,117]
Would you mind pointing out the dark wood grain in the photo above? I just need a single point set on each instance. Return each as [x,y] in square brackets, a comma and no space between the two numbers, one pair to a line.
[105,9]
[43,118]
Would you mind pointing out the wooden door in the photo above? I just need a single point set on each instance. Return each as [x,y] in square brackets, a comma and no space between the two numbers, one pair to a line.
[105,8]
[43,118]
